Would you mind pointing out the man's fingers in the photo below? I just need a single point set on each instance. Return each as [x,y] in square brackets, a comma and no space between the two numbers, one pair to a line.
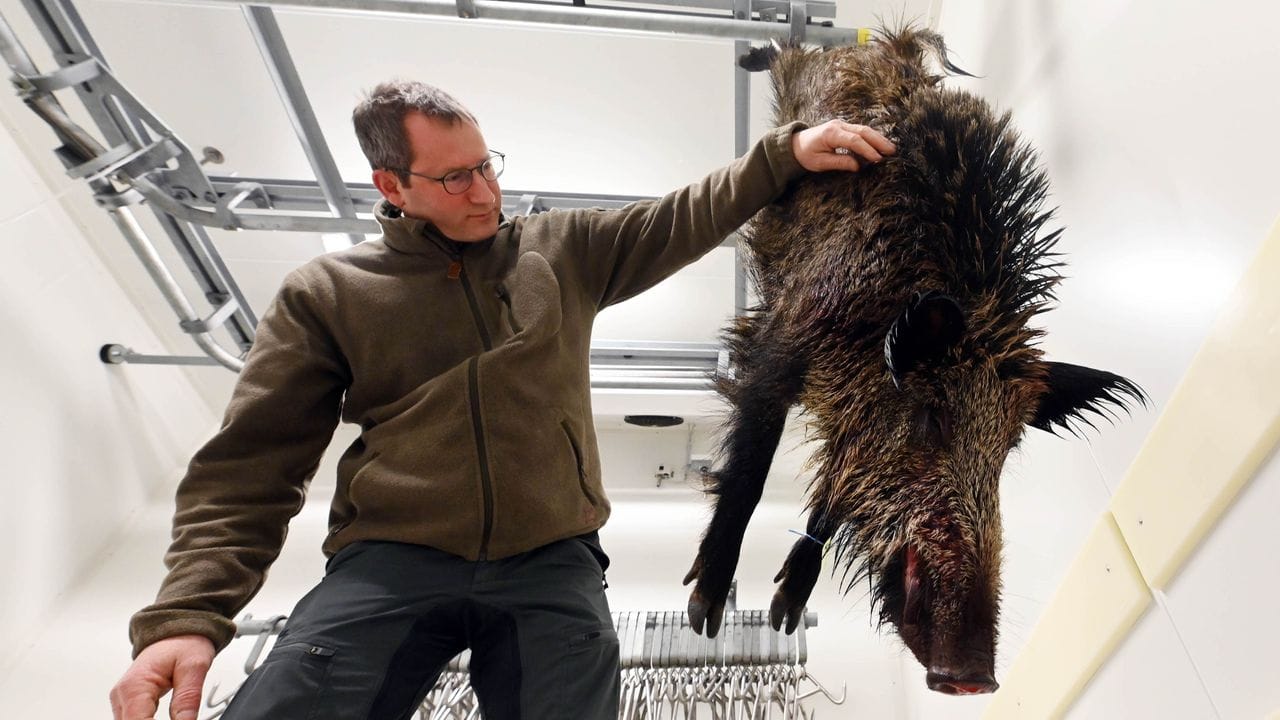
[878,141]
[838,145]
[188,680]
[837,161]
[858,145]
[136,704]
[865,141]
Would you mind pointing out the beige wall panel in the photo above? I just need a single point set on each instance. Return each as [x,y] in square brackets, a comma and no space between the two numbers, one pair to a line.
[1101,597]
[1218,427]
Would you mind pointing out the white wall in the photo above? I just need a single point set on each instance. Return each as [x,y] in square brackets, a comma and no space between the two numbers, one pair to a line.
[82,444]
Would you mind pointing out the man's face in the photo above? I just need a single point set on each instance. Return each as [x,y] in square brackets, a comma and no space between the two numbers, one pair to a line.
[440,147]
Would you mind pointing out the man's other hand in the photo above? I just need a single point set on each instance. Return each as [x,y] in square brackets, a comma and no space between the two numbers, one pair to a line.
[179,663]
[838,145]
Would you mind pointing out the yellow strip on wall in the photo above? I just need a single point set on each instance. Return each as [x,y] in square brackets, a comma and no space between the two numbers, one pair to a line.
[1100,599]
[1220,424]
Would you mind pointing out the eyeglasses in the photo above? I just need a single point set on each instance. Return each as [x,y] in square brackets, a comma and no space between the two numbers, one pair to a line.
[459,181]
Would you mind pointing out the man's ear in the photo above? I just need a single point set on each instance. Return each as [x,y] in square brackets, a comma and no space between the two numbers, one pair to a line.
[1074,389]
[388,183]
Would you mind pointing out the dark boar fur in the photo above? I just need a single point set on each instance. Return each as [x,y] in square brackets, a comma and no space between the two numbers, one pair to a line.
[895,308]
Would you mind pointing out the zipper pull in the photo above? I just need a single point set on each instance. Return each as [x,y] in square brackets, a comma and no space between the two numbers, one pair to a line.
[455,270]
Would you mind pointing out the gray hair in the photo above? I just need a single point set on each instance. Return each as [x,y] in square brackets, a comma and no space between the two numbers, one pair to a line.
[379,120]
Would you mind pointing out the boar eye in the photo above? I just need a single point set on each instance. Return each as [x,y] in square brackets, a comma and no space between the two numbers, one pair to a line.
[935,426]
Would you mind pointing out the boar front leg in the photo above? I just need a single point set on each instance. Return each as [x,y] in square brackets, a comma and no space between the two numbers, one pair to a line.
[769,381]
[799,573]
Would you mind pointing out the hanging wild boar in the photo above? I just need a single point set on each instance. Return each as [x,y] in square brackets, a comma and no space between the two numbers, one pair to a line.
[896,307]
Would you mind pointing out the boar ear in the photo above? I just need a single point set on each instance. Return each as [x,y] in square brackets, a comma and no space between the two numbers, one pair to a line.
[1073,389]
[931,325]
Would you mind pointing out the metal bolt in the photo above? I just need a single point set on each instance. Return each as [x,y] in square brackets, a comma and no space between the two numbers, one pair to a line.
[212,155]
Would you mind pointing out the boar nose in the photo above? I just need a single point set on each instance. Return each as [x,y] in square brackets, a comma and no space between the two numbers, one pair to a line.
[950,683]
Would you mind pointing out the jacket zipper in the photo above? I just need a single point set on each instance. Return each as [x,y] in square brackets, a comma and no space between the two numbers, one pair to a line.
[486,483]
[473,381]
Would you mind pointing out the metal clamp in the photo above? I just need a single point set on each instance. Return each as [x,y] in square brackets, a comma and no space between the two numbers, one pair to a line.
[467,9]
[107,159]
[224,212]
[799,17]
[153,157]
[125,158]
[212,322]
[123,198]
[65,77]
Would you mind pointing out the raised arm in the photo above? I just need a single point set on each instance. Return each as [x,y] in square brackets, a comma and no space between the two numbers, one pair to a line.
[631,249]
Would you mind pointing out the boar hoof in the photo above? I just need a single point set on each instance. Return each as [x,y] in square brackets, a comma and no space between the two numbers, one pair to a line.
[701,611]
[783,607]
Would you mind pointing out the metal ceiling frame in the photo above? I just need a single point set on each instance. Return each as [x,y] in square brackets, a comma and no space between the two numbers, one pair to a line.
[144,161]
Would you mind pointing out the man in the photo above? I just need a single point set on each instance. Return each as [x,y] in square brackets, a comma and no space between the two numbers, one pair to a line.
[466,513]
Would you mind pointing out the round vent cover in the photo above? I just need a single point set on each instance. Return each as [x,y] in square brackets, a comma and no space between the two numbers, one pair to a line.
[652,420]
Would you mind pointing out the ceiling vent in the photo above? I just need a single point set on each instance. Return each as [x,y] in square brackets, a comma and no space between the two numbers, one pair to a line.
[653,420]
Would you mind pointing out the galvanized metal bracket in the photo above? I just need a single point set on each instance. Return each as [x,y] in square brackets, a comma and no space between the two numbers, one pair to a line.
[224,212]
[798,15]
[213,322]
[107,159]
[128,160]
[65,77]
[122,198]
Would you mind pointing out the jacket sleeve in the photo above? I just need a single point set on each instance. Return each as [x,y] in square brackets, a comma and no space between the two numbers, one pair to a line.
[243,486]
[631,249]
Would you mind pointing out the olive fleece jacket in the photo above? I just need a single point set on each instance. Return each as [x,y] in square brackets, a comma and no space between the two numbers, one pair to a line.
[466,366]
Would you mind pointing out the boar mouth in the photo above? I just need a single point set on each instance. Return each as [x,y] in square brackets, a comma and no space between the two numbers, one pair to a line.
[905,591]
[908,594]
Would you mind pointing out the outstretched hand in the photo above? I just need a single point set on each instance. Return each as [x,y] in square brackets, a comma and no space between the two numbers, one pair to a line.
[179,663]
[838,145]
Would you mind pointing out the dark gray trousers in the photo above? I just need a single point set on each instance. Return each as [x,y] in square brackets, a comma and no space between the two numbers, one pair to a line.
[372,638]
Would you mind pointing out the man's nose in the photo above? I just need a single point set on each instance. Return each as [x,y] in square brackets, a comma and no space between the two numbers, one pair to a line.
[480,193]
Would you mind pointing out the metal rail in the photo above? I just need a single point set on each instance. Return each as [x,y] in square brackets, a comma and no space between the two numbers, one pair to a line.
[764,28]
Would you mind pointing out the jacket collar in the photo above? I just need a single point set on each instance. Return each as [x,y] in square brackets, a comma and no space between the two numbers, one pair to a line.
[420,237]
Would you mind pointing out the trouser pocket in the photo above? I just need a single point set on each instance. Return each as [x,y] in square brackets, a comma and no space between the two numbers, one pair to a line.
[289,685]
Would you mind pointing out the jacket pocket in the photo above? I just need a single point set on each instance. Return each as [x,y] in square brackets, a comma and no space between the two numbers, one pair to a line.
[578,462]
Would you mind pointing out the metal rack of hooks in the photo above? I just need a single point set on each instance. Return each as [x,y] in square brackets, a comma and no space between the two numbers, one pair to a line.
[748,672]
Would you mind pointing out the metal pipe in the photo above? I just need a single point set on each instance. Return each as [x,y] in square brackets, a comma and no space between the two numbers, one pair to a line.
[266,32]
[741,131]
[576,16]
[115,354]
[146,252]
[650,384]
[12,51]
[251,221]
